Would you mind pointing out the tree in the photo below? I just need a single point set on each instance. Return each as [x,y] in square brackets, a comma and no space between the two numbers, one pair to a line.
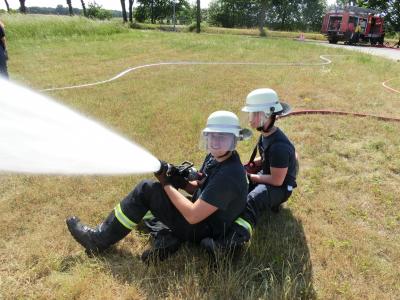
[198,16]
[312,12]
[8,6]
[84,8]
[186,13]
[60,10]
[161,10]
[394,15]
[124,16]
[286,14]
[70,7]
[278,14]
[235,13]
[22,7]
[131,11]
[145,11]
[262,15]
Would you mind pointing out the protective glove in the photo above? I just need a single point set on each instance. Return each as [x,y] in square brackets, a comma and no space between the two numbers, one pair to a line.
[178,182]
[161,174]
[252,168]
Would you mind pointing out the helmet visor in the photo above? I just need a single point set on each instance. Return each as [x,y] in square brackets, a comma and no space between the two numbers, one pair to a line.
[217,141]
[257,119]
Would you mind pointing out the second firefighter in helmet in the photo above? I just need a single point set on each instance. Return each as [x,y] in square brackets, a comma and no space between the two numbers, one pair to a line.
[275,178]
[263,106]
[275,182]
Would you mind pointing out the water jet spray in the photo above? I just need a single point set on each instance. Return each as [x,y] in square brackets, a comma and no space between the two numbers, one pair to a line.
[40,136]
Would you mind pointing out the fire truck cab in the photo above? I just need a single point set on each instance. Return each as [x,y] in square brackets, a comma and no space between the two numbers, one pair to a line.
[353,25]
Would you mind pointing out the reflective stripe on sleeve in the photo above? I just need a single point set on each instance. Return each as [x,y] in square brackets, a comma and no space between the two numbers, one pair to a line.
[245,224]
[124,220]
[148,216]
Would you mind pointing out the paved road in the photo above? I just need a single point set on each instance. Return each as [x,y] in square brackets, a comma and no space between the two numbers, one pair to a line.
[388,53]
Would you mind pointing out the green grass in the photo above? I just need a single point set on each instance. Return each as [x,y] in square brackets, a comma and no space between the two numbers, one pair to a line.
[337,237]
[44,27]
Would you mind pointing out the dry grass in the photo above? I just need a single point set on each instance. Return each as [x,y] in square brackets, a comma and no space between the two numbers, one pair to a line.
[339,235]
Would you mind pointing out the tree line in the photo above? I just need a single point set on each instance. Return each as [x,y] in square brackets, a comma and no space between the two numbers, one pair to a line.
[303,15]
[92,10]
[23,8]
[276,14]
[147,10]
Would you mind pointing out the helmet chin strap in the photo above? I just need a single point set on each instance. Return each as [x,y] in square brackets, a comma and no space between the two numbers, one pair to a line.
[270,126]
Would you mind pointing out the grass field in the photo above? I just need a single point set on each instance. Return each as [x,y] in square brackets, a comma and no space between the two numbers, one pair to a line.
[337,237]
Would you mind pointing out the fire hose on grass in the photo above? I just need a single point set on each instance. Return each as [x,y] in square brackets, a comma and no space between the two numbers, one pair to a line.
[324,58]
[386,86]
[325,61]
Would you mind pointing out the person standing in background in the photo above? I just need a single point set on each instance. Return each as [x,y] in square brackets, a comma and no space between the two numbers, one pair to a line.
[3,52]
[357,33]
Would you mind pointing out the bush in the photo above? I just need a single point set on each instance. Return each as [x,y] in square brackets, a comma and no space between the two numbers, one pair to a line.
[96,11]
[192,27]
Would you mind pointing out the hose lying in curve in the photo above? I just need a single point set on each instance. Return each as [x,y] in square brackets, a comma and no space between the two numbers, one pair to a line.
[326,61]
[388,87]
[324,58]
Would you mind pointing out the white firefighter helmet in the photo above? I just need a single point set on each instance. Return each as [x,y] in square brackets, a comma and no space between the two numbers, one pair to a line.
[223,121]
[267,101]
[222,132]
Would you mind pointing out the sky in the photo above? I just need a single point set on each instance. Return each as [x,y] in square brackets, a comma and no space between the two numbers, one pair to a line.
[108,4]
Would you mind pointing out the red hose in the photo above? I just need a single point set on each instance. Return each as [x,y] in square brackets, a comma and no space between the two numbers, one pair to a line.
[388,87]
[333,112]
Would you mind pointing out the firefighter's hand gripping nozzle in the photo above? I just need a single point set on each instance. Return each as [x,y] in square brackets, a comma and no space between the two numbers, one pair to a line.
[180,175]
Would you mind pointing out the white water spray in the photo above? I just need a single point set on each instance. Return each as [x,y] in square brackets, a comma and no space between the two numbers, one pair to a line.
[40,136]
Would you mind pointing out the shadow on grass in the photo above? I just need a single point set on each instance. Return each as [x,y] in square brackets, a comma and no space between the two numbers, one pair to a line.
[281,258]
[276,265]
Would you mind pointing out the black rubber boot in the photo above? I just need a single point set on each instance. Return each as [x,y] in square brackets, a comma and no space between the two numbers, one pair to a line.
[165,244]
[276,209]
[231,246]
[99,239]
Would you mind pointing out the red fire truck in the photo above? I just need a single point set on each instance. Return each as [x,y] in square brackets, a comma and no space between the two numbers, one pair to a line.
[353,25]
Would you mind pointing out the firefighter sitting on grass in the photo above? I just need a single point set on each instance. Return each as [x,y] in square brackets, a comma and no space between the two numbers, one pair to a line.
[278,166]
[218,198]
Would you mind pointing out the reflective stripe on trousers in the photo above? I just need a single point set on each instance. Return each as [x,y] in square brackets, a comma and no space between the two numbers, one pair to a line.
[124,220]
[245,224]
